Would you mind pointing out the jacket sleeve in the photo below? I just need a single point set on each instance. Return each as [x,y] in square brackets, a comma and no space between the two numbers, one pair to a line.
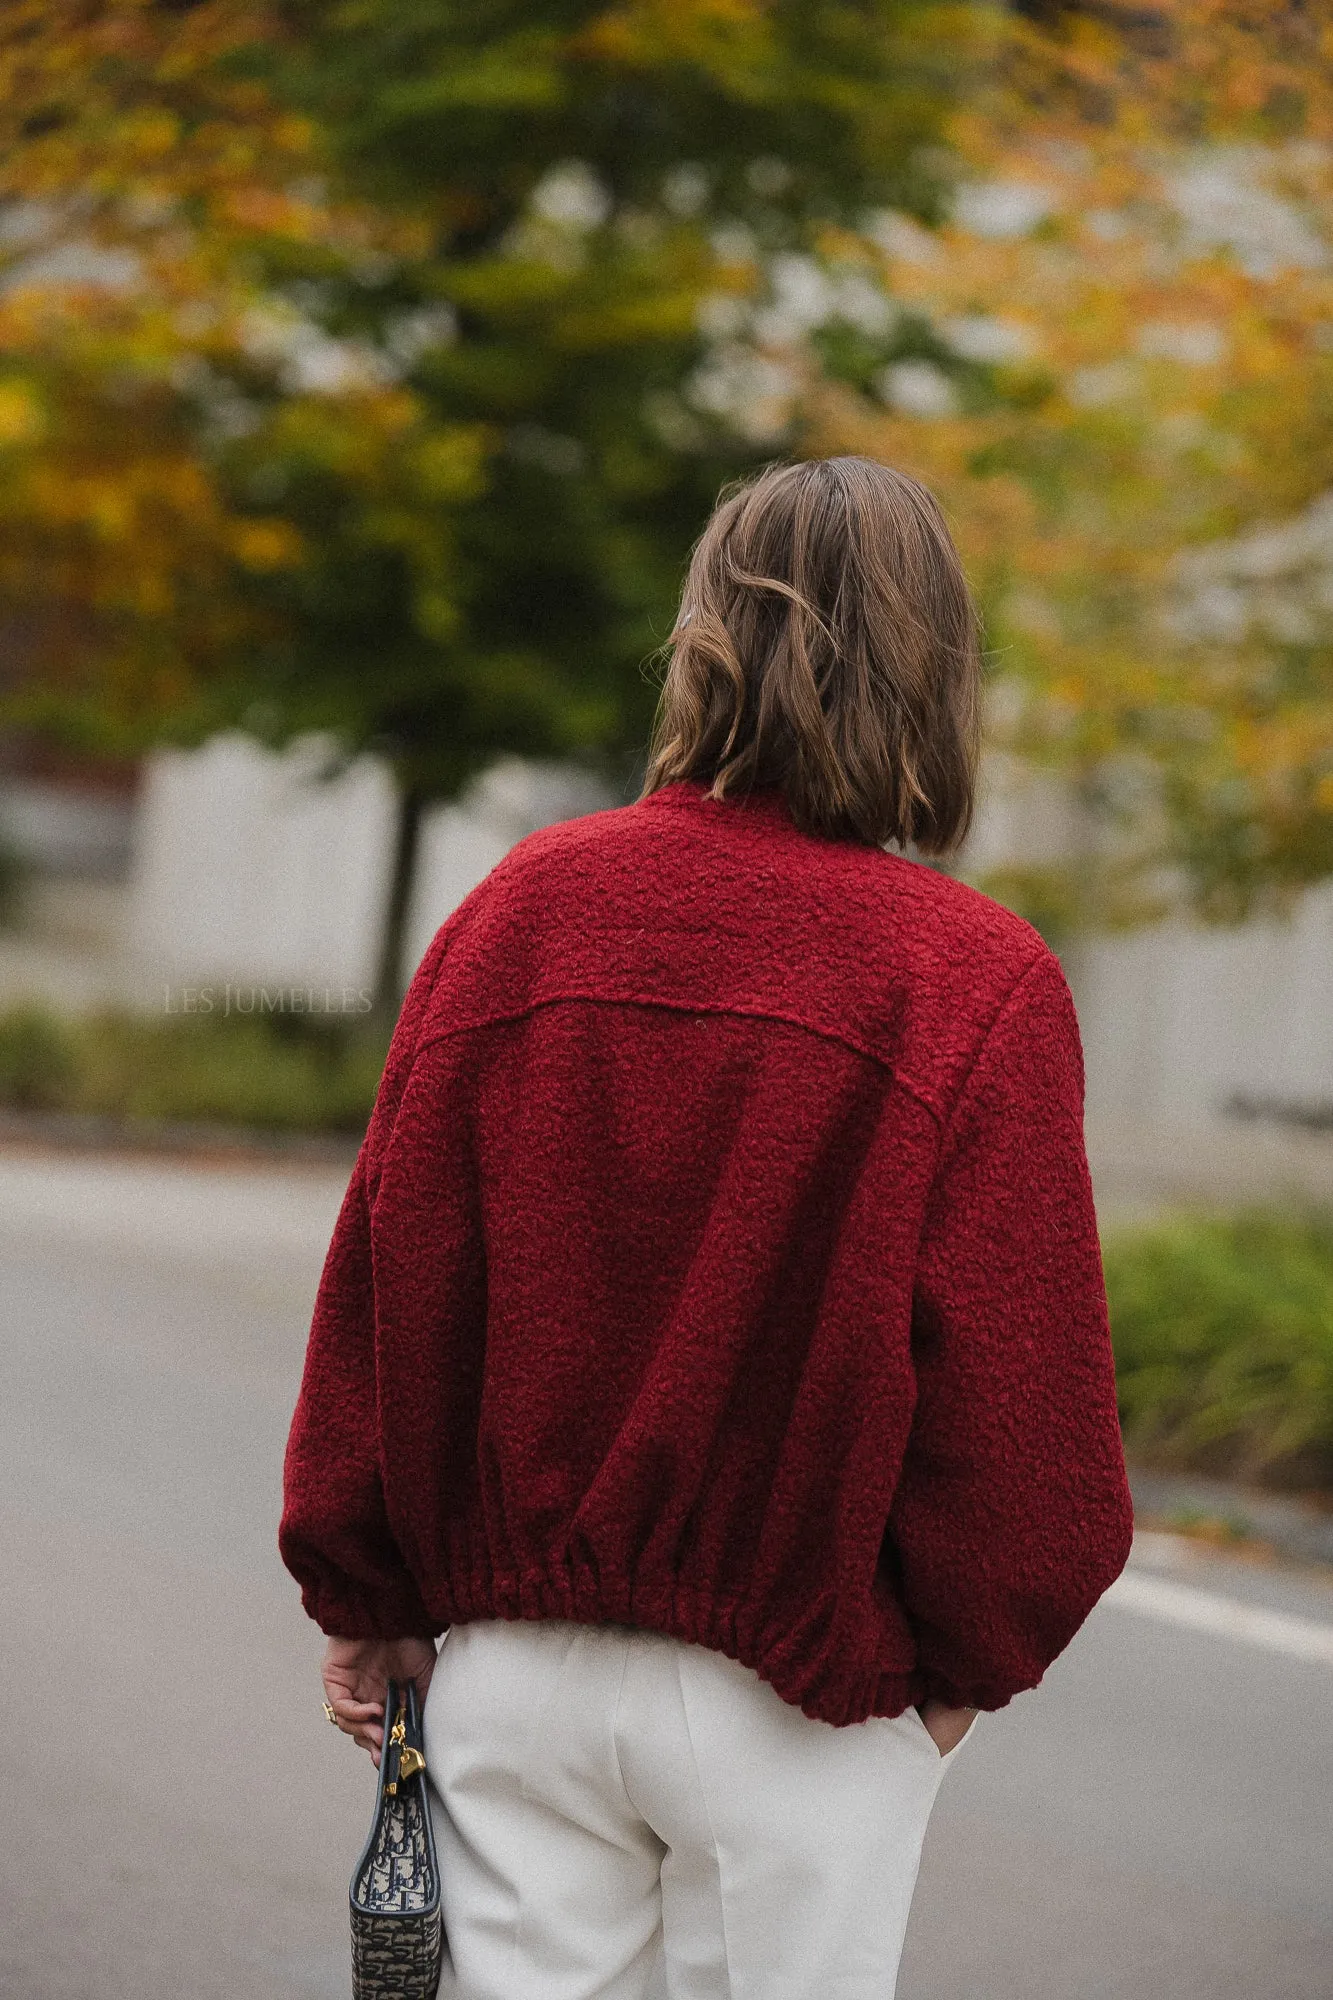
[335,1536]
[1012,1513]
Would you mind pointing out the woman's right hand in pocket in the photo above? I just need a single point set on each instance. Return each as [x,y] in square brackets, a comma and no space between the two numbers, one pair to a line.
[947,1726]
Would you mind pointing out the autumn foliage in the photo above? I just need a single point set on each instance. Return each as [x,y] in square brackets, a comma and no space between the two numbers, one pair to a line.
[159,392]
[374,367]
[1135,297]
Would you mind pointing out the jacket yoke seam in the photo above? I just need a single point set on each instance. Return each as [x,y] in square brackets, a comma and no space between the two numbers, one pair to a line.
[501,1017]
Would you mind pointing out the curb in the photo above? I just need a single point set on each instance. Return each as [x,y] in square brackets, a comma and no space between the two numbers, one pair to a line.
[75,1132]
[1298,1529]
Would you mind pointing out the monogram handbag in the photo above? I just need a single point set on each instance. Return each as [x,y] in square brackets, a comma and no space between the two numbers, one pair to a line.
[397,1925]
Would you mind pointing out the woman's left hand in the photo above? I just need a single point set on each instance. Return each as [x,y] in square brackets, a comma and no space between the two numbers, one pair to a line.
[356,1675]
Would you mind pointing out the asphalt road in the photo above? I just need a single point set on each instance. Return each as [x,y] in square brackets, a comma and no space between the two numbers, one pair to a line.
[1156,1823]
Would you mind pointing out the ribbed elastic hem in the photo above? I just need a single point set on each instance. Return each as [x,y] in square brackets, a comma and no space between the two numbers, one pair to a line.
[819,1681]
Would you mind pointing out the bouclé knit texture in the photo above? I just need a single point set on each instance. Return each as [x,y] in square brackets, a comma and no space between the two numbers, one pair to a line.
[721,1259]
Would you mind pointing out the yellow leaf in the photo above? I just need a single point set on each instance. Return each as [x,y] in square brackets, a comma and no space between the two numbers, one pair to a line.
[20,416]
[267,545]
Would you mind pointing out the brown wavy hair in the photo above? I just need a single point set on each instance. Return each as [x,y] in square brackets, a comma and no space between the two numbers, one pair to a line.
[827,643]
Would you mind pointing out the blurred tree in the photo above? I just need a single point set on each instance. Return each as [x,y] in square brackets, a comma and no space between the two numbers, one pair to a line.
[1121,385]
[159,385]
[373,365]
[422,461]
[600,187]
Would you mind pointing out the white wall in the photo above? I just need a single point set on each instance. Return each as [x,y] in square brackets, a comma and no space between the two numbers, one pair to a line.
[460,843]
[1024,817]
[263,866]
[58,831]
[274,868]
[1179,1017]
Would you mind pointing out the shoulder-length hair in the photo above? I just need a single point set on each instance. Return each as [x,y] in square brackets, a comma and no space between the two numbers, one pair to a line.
[827,643]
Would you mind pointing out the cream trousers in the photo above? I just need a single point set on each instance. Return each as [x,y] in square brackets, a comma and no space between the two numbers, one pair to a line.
[622,1816]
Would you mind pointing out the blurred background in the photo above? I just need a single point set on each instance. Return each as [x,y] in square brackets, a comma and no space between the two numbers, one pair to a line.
[366,372]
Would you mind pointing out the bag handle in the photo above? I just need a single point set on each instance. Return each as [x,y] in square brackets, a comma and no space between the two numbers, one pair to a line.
[404,1756]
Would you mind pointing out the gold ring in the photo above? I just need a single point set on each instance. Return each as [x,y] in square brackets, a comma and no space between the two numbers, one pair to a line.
[328,1710]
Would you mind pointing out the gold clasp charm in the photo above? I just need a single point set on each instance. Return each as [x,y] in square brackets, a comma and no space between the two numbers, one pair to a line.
[395,1742]
[409,1761]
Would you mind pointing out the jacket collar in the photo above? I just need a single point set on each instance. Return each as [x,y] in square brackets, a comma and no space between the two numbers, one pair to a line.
[764,803]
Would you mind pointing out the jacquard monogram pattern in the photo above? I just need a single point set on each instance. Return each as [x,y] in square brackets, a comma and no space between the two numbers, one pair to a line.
[393,1960]
[397,1871]
[397,1926]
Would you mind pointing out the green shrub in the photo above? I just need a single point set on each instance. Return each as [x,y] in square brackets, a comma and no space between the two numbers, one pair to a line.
[1223,1330]
[276,1074]
[38,1059]
[13,876]
[207,1070]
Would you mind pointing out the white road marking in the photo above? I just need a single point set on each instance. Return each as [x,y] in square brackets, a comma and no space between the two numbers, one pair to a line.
[1223,1617]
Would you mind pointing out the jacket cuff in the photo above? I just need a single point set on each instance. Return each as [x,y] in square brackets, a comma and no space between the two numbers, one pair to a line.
[980,1694]
[350,1615]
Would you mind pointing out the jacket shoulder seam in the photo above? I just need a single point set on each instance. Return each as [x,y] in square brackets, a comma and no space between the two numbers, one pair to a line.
[983,1041]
